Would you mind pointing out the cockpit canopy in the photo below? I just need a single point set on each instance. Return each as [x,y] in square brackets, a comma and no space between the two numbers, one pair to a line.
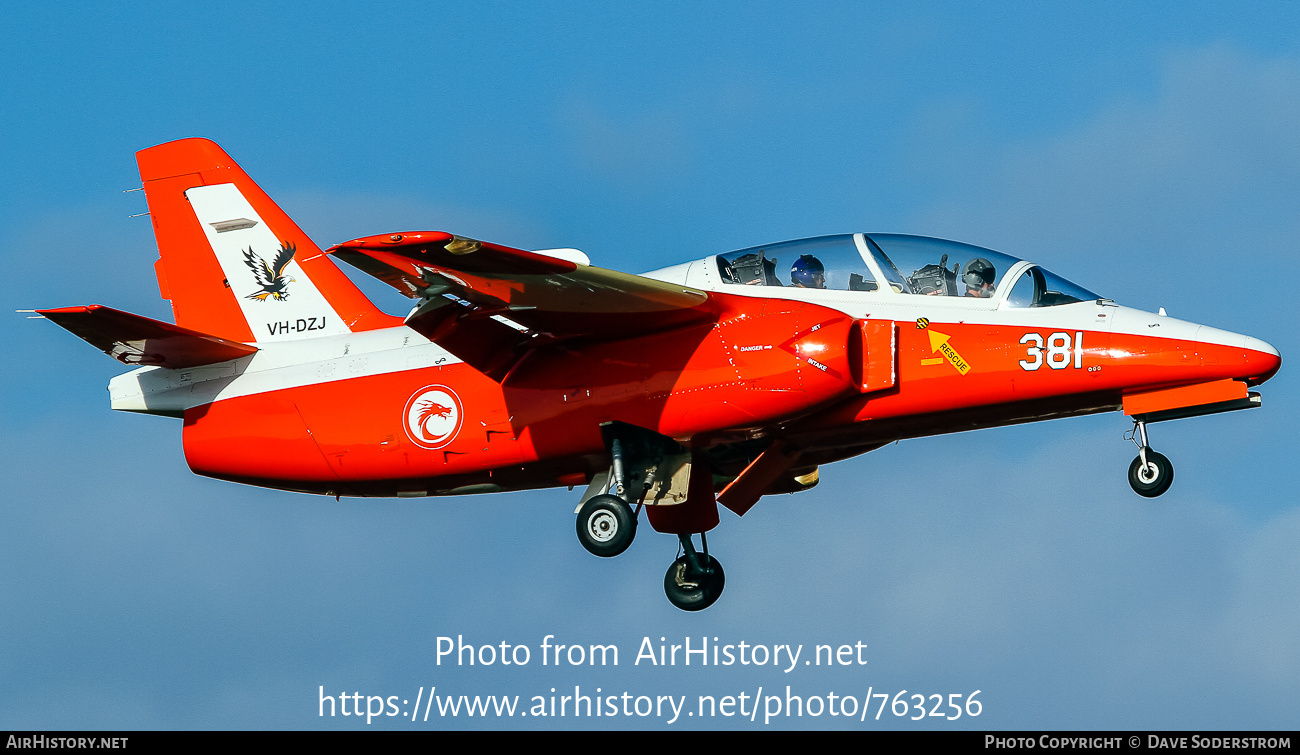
[916,265]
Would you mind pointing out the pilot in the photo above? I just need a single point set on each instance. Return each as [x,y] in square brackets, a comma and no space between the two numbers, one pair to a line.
[808,272]
[978,276]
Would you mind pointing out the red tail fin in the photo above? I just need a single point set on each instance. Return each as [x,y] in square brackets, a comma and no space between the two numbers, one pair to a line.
[232,262]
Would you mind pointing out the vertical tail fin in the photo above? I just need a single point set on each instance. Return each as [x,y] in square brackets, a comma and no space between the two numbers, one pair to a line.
[233,263]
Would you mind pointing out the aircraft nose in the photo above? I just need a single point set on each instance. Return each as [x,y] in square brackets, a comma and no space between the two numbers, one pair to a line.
[1247,358]
[1263,360]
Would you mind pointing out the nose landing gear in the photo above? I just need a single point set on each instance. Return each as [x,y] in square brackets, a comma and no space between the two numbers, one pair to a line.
[1151,473]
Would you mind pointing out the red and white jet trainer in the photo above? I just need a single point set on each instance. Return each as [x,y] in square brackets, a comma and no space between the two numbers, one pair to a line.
[713,382]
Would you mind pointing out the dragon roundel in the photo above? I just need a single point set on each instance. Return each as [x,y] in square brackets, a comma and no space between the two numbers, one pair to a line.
[432,416]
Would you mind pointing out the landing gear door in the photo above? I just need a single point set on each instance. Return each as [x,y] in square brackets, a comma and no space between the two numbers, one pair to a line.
[873,350]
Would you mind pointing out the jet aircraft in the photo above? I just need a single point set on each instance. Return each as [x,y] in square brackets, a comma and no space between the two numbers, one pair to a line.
[667,394]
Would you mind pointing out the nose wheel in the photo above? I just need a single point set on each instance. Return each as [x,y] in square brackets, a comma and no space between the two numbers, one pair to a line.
[1151,473]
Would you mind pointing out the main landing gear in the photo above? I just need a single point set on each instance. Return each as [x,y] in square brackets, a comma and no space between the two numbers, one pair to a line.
[695,580]
[606,525]
[1151,473]
[676,490]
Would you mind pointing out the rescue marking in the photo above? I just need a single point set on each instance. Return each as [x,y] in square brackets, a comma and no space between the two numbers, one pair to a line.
[939,343]
[922,323]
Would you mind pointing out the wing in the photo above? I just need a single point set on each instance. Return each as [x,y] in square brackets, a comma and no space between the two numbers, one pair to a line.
[468,287]
[544,294]
[136,341]
[261,272]
[283,258]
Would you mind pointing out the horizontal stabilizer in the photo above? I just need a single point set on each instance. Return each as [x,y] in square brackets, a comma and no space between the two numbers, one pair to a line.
[140,341]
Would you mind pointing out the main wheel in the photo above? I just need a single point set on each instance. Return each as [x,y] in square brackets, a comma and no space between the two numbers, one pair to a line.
[1153,478]
[606,525]
[693,593]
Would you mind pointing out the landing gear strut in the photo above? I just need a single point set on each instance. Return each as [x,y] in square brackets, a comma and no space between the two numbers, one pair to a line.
[1151,473]
[606,523]
[695,580]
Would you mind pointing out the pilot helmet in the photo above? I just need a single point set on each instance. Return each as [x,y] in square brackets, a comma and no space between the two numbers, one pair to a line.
[806,270]
[977,272]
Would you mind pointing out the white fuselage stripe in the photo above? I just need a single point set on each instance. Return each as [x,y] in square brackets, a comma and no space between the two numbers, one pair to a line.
[290,364]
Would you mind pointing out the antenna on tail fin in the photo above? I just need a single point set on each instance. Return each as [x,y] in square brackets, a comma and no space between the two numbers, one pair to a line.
[232,262]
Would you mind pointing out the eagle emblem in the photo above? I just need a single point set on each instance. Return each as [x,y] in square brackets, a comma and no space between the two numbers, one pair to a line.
[270,277]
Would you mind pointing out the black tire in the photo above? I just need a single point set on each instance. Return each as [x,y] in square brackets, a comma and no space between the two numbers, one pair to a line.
[1155,479]
[606,526]
[690,595]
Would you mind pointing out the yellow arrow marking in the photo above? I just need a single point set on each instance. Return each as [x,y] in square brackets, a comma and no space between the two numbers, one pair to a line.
[939,343]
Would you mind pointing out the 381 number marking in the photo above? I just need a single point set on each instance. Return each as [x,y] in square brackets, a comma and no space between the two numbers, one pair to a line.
[1060,348]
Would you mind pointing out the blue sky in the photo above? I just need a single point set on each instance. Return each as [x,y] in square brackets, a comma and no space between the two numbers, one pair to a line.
[1152,155]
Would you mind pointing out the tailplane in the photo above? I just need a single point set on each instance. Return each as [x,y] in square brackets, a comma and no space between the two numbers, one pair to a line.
[233,264]
[139,341]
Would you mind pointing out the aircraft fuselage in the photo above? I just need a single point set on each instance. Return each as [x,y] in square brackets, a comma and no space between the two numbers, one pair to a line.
[332,415]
